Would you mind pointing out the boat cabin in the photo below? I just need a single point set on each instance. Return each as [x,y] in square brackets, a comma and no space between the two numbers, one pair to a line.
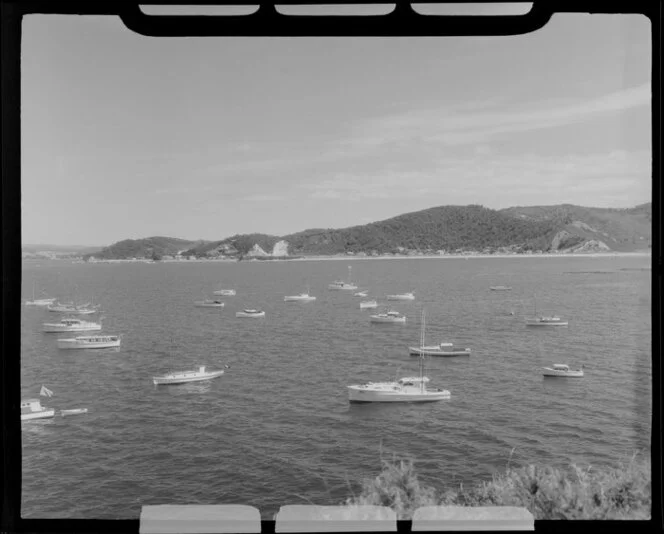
[560,367]
[412,381]
[31,405]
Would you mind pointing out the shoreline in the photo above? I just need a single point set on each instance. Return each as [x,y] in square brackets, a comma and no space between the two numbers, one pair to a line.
[282,259]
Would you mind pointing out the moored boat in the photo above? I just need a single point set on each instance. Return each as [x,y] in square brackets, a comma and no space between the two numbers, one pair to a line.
[39,302]
[388,317]
[543,320]
[209,303]
[341,285]
[250,313]
[72,309]
[71,325]
[444,349]
[363,293]
[500,288]
[402,296]
[183,377]
[89,342]
[368,304]
[407,389]
[32,409]
[302,297]
[560,370]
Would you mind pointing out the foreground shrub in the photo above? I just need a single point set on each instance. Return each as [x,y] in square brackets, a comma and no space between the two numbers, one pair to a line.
[548,493]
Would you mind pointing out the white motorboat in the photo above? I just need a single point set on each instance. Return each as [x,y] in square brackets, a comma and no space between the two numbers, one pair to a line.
[444,349]
[183,377]
[562,371]
[546,321]
[32,409]
[302,297]
[341,285]
[209,303]
[224,292]
[250,313]
[73,411]
[89,342]
[388,317]
[39,302]
[71,325]
[368,304]
[364,293]
[500,288]
[72,309]
[402,296]
[408,389]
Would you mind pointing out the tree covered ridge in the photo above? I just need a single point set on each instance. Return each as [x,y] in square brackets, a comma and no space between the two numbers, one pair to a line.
[449,228]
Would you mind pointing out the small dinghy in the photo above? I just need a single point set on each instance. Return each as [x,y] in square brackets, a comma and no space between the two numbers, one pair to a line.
[225,292]
[368,304]
[560,370]
[250,313]
[207,303]
[402,296]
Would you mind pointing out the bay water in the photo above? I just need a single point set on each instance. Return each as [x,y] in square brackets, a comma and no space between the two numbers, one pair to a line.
[277,427]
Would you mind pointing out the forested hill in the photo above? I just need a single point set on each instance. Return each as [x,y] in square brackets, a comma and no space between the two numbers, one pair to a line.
[149,247]
[474,228]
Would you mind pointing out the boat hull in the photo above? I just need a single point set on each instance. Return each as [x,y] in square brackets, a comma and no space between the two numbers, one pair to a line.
[562,374]
[541,323]
[357,396]
[165,380]
[209,304]
[224,292]
[368,305]
[250,315]
[42,414]
[414,351]
[54,328]
[400,297]
[299,299]
[72,344]
[383,320]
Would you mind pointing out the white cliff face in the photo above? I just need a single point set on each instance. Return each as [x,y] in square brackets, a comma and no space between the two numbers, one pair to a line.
[280,248]
[257,251]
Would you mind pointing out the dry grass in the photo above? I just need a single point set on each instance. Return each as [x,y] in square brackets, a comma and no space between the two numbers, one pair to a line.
[623,492]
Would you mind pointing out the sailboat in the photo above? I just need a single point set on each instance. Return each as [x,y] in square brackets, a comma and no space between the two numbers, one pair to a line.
[407,389]
[545,320]
[39,302]
[444,349]
[340,284]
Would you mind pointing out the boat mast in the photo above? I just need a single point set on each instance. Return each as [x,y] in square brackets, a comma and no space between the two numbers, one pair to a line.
[422,353]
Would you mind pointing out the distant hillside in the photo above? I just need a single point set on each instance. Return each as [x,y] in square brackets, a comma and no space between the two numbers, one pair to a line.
[565,228]
[443,228]
[621,230]
[149,247]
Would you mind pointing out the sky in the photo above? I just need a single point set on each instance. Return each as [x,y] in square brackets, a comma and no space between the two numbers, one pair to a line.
[126,136]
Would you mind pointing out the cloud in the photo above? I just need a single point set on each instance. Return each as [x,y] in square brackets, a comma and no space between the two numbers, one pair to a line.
[501,179]
[452,125]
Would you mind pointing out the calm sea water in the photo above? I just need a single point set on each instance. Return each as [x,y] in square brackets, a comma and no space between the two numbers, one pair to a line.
[277,428]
